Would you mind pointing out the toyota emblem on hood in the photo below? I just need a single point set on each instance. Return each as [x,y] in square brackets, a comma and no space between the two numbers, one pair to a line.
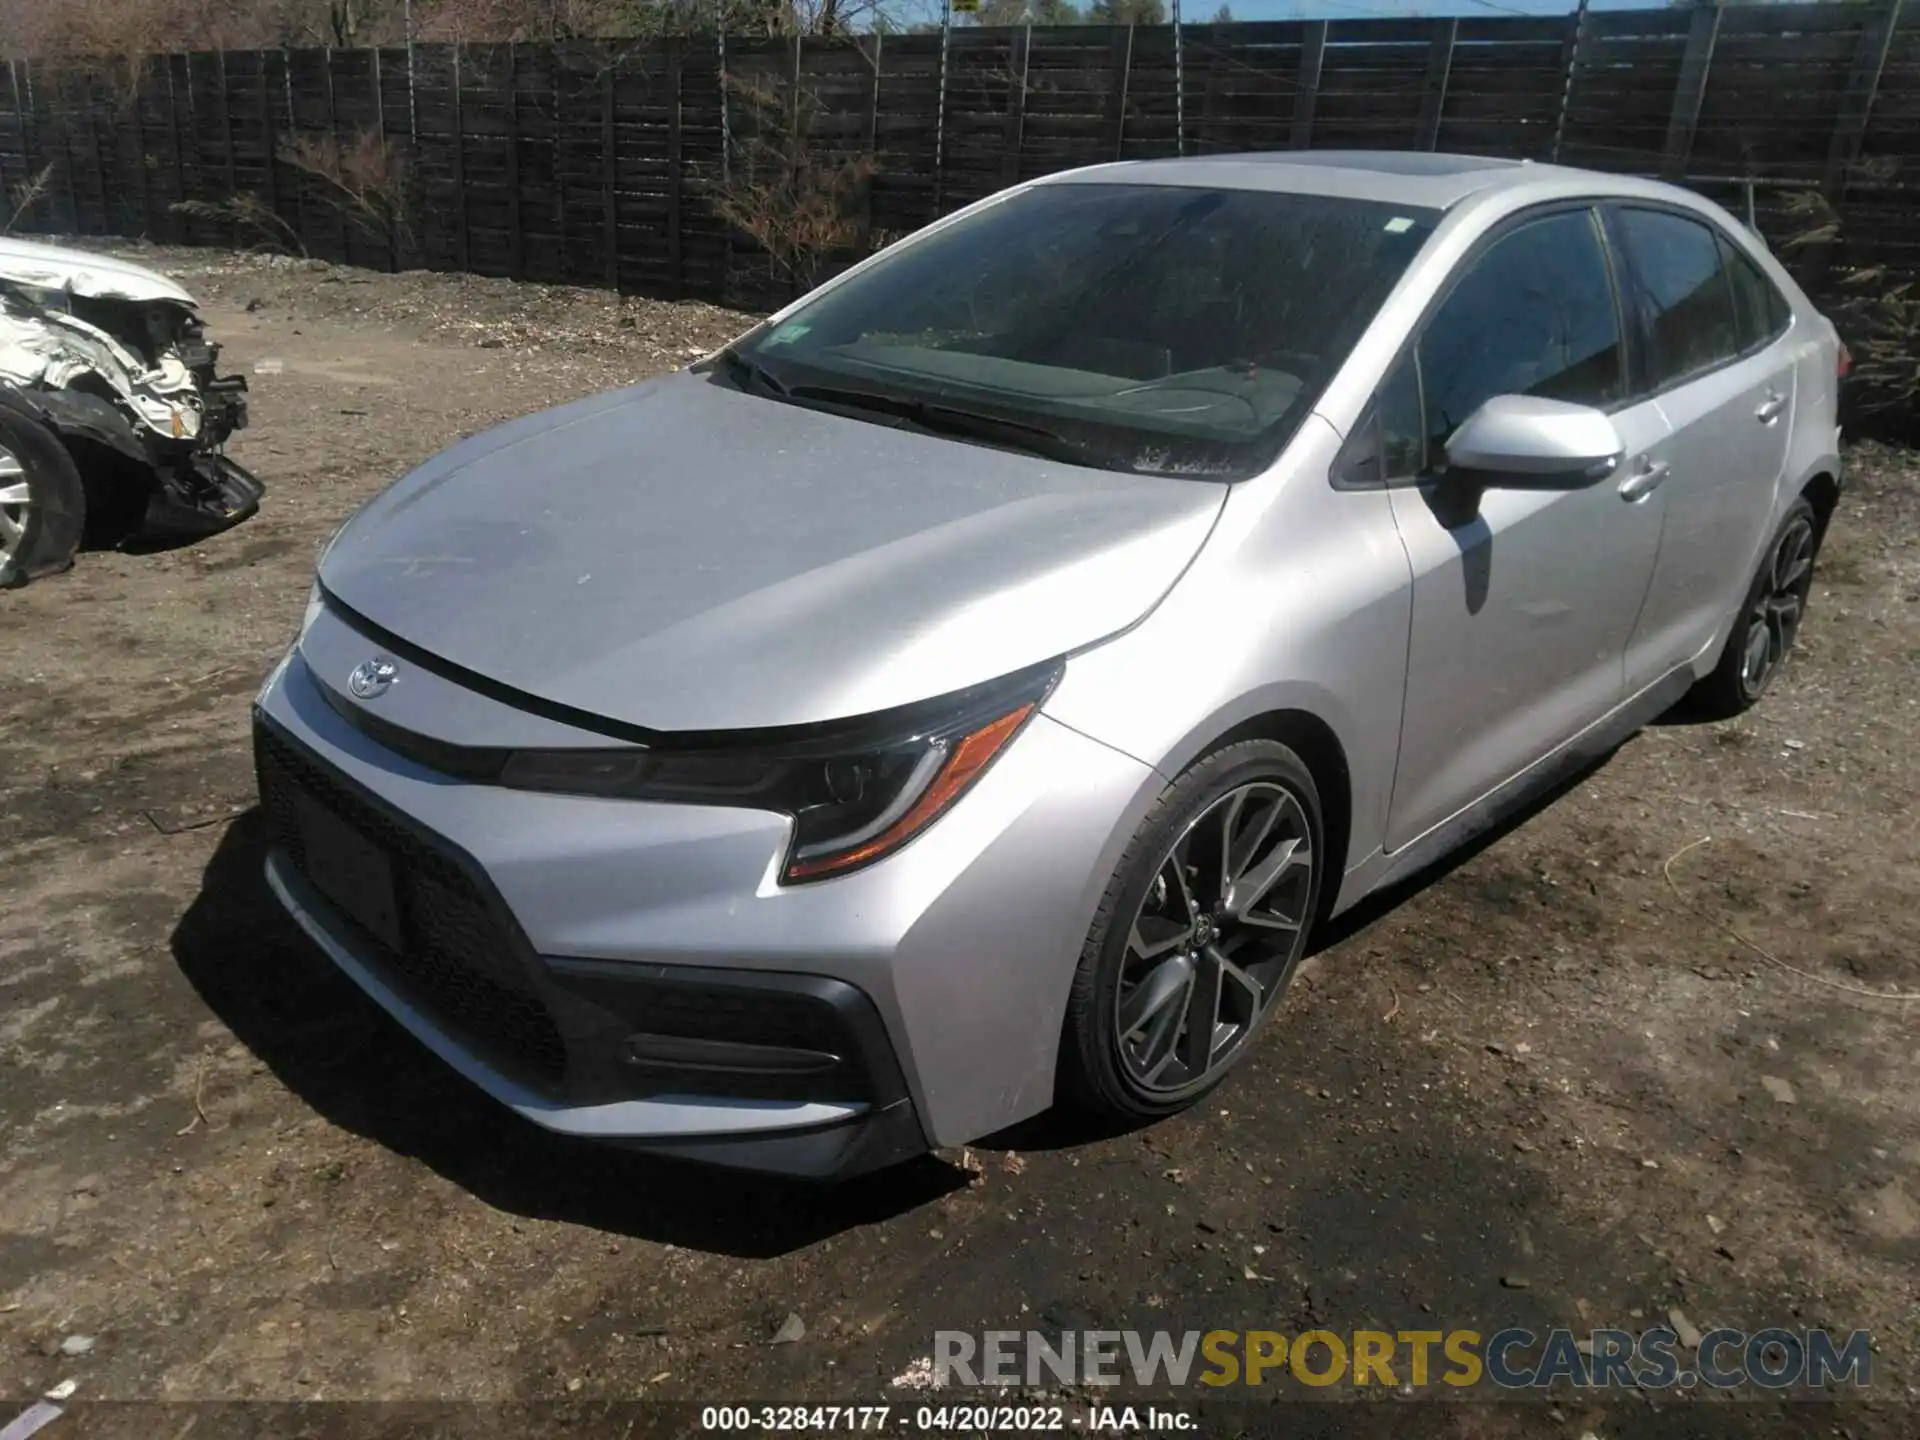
[371,678]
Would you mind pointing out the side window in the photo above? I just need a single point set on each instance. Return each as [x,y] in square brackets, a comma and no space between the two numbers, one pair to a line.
[1684,291]
[1763,310]
[1533,315]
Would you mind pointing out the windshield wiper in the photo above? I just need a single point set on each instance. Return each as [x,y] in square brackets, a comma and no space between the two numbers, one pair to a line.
[953,421]
[750,373]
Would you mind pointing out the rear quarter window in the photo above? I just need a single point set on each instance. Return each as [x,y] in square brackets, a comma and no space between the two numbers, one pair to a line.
[1763,311]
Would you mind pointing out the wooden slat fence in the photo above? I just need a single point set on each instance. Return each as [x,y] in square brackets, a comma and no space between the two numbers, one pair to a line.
[602,162]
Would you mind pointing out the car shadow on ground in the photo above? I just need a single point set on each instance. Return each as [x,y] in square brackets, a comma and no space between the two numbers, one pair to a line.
[1065,1129]
[1349,923]
[340,1053]
[326,1041]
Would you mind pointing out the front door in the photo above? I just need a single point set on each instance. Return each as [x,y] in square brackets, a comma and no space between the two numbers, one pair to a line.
[1523,606]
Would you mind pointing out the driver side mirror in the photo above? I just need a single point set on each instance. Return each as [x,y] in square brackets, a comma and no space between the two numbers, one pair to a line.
[1525,442]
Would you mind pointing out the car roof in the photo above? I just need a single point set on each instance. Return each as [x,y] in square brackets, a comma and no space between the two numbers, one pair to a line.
[1411,177]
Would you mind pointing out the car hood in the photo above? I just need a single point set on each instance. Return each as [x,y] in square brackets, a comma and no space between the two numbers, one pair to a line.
[682,556]
[96,277]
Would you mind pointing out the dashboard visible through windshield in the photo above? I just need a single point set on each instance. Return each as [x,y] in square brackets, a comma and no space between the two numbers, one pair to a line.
[1158,329]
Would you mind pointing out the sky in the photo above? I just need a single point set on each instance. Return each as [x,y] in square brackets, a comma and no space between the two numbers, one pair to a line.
[1198,10]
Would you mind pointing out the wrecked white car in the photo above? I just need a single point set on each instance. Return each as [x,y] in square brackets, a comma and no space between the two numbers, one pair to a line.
[112,414]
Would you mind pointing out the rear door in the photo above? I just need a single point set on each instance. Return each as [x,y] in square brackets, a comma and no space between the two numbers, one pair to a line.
[1717,366]
[1523,605]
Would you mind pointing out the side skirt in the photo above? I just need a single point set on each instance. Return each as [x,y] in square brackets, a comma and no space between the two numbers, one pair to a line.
[1598,739]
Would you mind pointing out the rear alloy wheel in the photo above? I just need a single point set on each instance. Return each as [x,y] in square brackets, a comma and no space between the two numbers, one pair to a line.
[1773,617]
[1201,929]
[1769,620]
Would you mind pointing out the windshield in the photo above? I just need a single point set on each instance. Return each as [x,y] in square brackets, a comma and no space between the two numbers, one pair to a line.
[1153,328]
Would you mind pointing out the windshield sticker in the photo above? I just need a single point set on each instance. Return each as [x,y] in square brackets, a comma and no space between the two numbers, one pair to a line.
[1399,225]
[788,333]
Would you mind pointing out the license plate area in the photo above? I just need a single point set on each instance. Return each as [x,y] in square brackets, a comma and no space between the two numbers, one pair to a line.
[351,871]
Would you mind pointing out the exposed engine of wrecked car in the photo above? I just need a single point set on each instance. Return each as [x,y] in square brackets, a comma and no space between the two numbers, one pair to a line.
[114,360]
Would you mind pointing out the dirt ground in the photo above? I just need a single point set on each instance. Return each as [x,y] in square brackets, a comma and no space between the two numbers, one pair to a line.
[1627,1058]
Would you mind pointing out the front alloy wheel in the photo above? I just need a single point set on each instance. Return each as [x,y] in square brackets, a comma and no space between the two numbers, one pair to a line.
[43,505]
[1200,930]
[1212,937]
[16,501]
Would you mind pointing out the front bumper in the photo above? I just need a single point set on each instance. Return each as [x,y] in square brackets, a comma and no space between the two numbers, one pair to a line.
[633,972]
[709,1064]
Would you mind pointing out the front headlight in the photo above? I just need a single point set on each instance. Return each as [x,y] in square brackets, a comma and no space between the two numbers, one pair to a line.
[316,603]
[857,790]
[312,613]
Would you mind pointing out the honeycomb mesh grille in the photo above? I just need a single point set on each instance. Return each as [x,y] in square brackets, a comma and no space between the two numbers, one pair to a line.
[455,960]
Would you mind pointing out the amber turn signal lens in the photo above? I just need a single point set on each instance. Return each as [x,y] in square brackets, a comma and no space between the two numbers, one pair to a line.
[969,757]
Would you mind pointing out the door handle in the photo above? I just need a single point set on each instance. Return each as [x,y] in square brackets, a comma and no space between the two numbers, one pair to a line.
[1770,409]
[1644,481]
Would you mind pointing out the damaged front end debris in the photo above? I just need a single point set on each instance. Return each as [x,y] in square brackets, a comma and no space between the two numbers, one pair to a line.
[113,416]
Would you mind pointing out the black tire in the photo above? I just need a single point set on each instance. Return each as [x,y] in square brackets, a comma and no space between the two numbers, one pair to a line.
[56,510]
[1100,1067]
[1775,603]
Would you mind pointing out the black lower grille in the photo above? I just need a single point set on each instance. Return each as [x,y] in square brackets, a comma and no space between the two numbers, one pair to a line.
[455,958]
[759,1033]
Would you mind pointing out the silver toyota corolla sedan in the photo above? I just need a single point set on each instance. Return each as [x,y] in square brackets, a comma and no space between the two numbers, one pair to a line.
[973,685]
